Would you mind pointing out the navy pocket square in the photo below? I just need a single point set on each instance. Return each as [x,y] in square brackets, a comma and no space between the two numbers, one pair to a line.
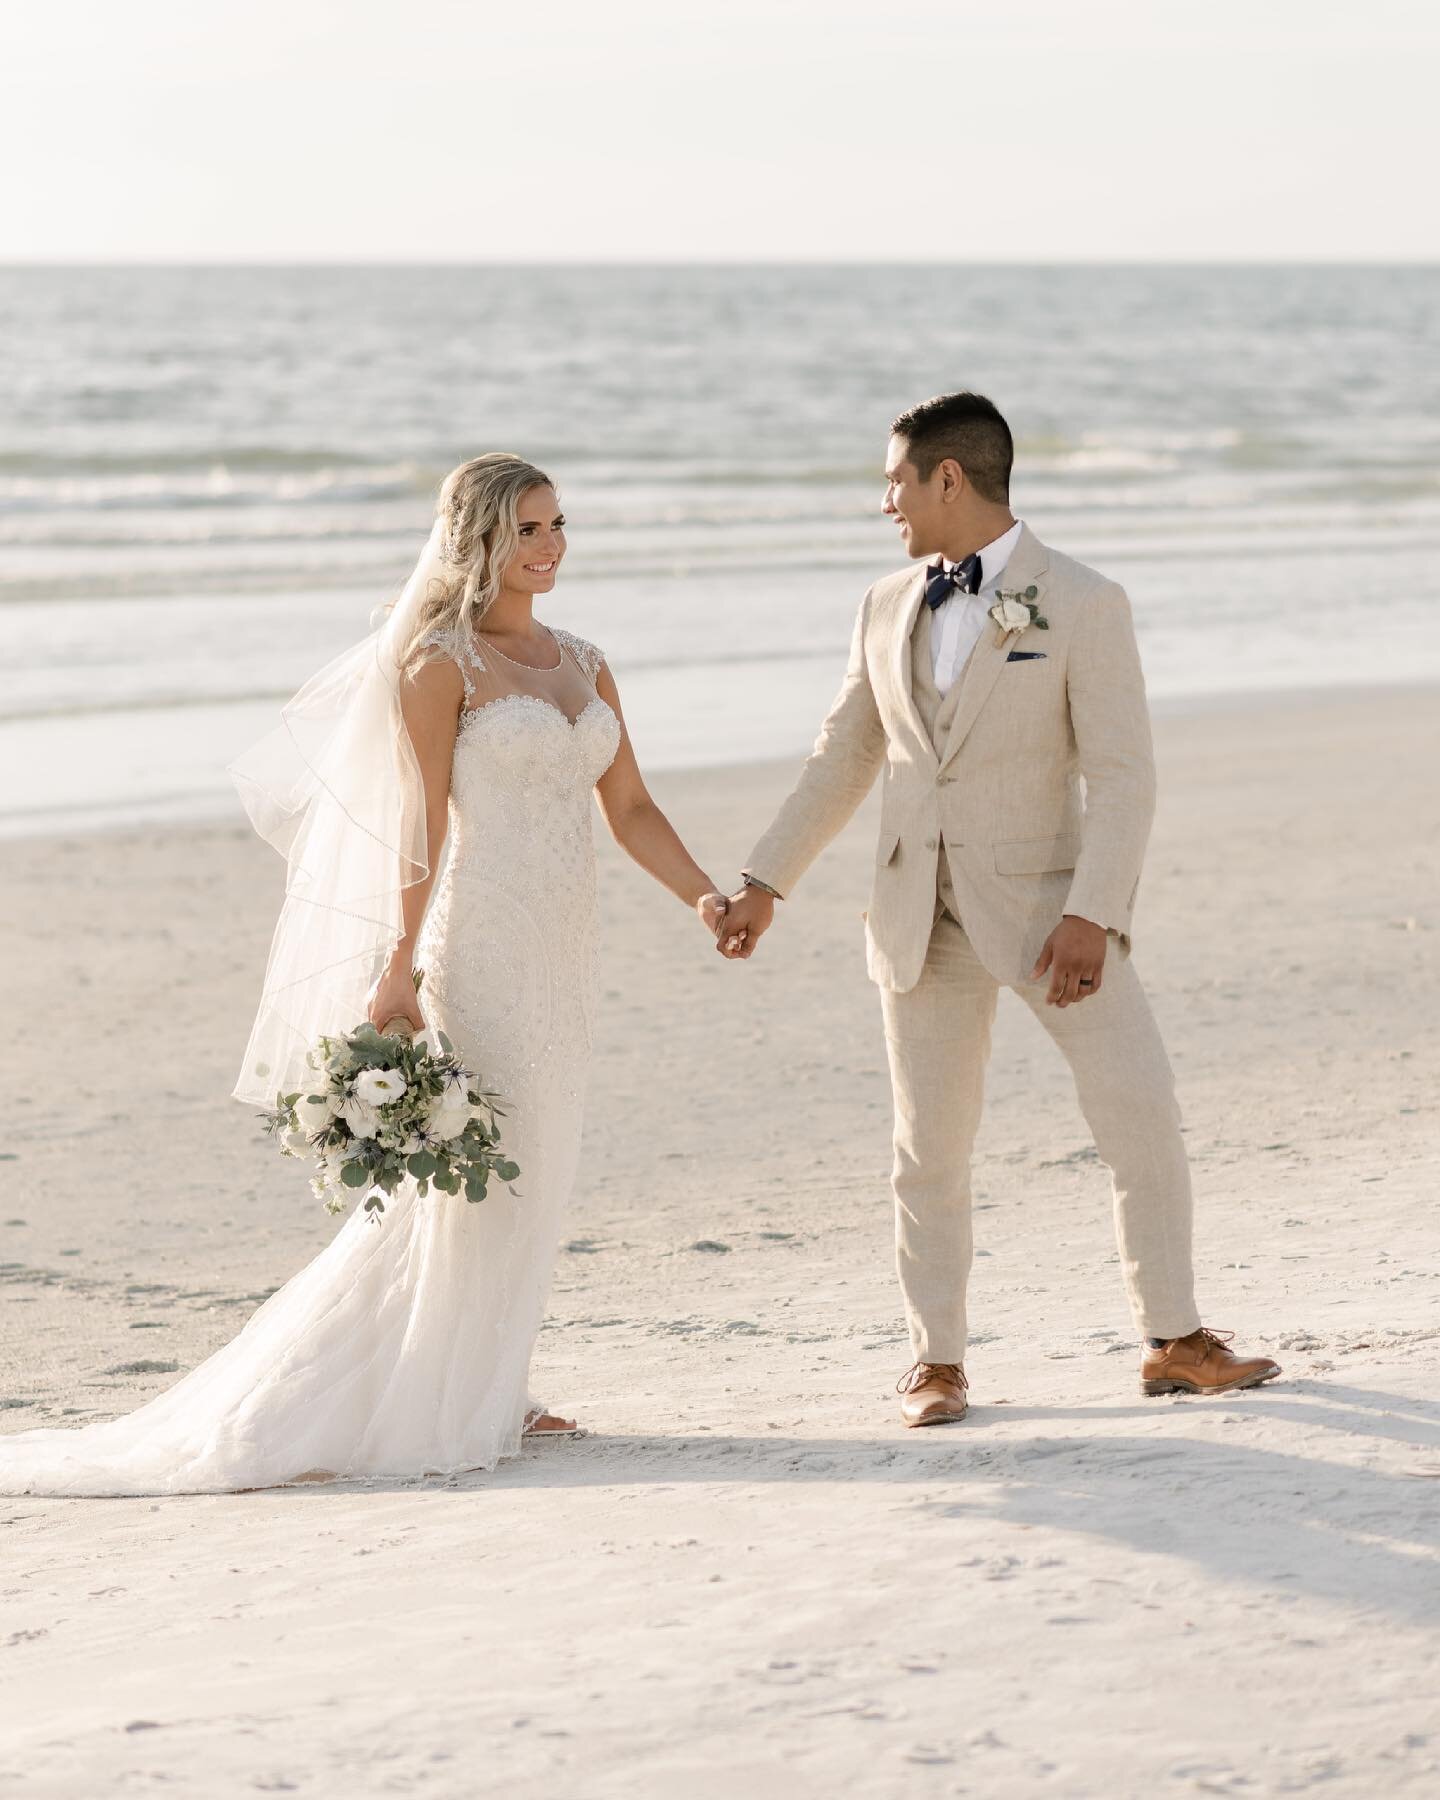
[1026,656]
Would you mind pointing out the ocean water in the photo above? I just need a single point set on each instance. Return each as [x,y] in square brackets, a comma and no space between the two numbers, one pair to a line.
[209,477]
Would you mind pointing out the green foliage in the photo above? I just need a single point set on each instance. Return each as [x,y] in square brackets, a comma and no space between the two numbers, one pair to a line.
[378,1164]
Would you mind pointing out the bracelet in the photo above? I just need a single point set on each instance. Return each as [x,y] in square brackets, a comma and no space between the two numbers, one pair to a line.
[764,886]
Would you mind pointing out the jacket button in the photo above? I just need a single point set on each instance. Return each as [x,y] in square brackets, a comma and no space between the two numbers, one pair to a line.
[932,844]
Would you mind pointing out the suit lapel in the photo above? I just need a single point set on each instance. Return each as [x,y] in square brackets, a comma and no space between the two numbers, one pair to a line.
[907,610]
[1027,563]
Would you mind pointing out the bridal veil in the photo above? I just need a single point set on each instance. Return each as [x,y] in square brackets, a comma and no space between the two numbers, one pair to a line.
[337,790]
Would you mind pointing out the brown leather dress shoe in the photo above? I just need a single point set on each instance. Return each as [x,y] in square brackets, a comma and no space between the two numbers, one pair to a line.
[933,1394]
[1202,1363]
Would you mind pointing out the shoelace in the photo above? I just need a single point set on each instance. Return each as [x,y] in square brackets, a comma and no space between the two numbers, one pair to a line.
[1218,1340]
[922,1372]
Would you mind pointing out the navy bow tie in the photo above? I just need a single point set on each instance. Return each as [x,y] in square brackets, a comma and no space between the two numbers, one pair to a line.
[941,583]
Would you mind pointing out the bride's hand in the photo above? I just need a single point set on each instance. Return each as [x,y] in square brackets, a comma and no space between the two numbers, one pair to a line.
[393,997]
[711,910]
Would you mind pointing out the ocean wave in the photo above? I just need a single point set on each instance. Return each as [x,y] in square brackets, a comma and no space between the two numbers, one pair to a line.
[217,484]
[161,700]
[170,699]
[144,462]
[1119,527]
[258,475]
[163,530]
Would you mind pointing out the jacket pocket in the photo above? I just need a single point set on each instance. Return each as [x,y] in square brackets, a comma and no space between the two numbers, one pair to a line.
[1036,856]
[887,849]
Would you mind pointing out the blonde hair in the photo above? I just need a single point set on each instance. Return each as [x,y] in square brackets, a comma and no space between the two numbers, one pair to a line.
[480,533]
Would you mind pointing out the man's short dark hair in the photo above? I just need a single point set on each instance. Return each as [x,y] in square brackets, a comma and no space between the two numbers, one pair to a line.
[966,427]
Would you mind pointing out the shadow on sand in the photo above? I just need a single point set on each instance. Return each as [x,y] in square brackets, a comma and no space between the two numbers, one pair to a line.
[1286,1516]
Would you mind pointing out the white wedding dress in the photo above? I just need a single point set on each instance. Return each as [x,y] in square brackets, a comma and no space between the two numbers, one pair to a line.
[403,1349]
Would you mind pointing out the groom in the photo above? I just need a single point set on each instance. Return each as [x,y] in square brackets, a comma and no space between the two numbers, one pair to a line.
[984,684]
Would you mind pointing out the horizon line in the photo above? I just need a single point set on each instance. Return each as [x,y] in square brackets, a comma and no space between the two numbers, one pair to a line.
[342,261]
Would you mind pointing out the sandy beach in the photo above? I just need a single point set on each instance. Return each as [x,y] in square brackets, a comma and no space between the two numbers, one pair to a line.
[749,1579]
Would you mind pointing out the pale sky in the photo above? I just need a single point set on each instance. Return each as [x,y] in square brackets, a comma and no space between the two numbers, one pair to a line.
[1017,130]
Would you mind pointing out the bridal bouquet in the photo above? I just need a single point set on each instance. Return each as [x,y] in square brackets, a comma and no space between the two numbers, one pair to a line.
[381,1106]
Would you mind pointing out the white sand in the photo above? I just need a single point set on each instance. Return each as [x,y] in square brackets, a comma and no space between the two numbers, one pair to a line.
[750,1581]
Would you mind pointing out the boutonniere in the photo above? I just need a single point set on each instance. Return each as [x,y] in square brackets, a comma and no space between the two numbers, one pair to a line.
[1016,611]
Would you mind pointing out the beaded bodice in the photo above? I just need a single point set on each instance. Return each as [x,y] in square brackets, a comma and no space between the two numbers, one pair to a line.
[509,938]
[523,774]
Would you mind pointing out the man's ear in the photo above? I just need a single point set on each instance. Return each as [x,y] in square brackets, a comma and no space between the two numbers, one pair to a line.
[952,481]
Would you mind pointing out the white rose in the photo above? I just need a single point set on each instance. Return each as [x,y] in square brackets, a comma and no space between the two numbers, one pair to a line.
[1011,615]
[451,1116]
[330,1176]
[379,1087]
[315,1108]
[296,1143]
[360,1116]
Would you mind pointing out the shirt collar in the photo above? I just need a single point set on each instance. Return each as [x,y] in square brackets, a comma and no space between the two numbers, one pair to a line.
[995,555]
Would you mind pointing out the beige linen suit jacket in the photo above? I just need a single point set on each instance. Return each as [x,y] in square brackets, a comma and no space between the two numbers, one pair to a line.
[1003,794]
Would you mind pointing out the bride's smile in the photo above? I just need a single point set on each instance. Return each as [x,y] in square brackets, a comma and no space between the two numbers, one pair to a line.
[540,530]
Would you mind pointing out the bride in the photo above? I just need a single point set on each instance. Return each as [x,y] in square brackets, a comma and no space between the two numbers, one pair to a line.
[403,1349]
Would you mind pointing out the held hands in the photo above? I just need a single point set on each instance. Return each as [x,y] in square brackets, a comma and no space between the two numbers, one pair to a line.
[1074,953]
[748,916]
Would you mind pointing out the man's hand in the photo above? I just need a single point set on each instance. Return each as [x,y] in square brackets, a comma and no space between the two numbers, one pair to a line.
[747,919]
[1074,953]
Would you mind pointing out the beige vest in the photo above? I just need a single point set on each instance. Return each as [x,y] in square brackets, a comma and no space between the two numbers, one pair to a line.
[937,712]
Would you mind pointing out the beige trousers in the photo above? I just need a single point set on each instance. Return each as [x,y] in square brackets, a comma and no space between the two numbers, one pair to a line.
[938,1038]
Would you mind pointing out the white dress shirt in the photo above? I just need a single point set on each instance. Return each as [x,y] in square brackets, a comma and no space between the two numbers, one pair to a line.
[956,624]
